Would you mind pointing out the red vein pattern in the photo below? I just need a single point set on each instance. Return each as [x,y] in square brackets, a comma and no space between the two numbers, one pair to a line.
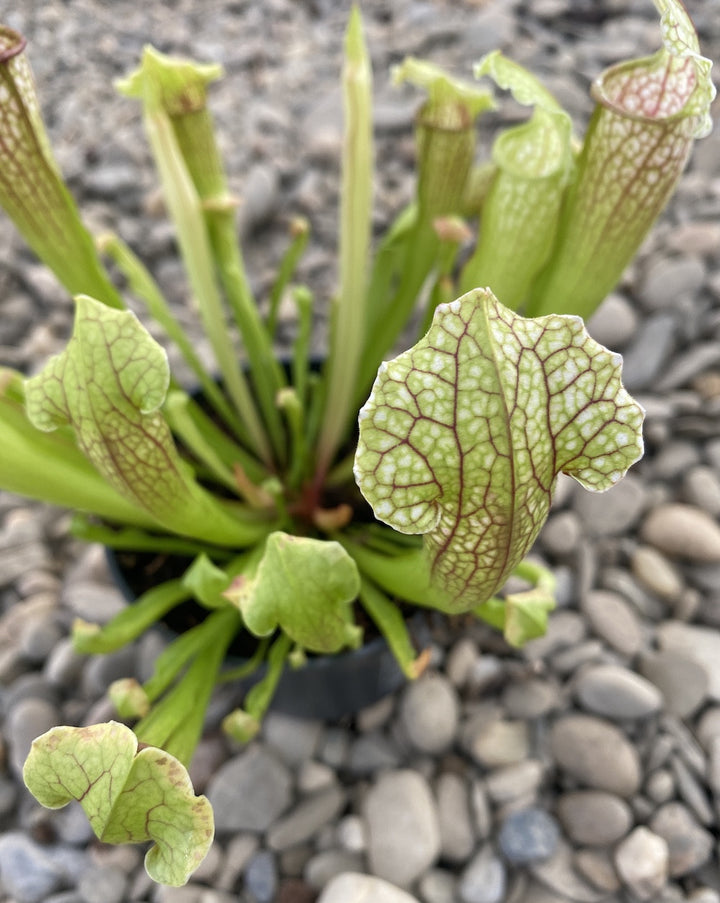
[464,435]
[101,767]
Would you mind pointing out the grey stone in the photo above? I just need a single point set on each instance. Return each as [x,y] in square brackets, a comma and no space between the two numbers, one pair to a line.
[460,661]
[72,825]
[480,805]
[12,665]
[457,837]
[683,531]
[691,790]
[484,879]
[335,747]
[655,572]
[641,860]
[713,770]
[596,753]
[438,886]
[402,826]
[708,727]
[559,876]
[594,817]
[684,367]
[561,533]
[698,643]
[260,196]
[351,833]
[660,786]
[64,666]
[28,873]
[616,692]
[38,638]
[565,628]
[649,352]
[531,697]
[112,180]
[614,323]
[250,791]
[306,819]
[528,835]
[704,895]
[701,488]
[674,459]
[374,717]
[293,739]
[97,603]
[597,866]
[690,846]
[621,581]
[371,752]
[66,896]
[314,776]
[429,713]
[613,512]
[261,876]
[667,278]
[101,670]
[499,742]
[324,866]
[27,720]
[69,859]
[240,850]
[513,781]
[102,885]
[575,658]
[701,237]
[8,795]
[351,887]
[682,681]
[612,619]
[683,743]
[18,560]
[190,893]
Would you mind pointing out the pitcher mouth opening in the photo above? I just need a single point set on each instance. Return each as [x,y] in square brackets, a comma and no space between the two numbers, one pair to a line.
[12,43]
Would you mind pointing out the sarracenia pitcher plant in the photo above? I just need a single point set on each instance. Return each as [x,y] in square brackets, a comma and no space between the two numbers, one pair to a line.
[295,511]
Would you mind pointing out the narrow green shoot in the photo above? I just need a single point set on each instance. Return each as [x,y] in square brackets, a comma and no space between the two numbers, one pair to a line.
[142,284]
[299,234]
[349,315]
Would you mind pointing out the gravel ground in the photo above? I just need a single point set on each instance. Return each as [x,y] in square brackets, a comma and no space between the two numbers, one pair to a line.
[584,768]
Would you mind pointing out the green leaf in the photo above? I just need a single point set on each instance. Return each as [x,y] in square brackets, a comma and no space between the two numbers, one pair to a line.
[51,468]
[206,581]
[131,622]
[350,314]
[32,191]
[304,586]
[109,384]
[243,724]
[391,624]
[168,88]
[444,90]
[641,133]
[129,795]
[129,698]
[520,214]
[464,435]
[526,615]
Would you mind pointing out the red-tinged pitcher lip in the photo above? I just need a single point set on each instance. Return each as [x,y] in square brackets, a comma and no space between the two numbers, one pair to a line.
[609,99]
[12,43]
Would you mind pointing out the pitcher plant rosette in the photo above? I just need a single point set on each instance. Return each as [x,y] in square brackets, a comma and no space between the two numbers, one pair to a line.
[296,512]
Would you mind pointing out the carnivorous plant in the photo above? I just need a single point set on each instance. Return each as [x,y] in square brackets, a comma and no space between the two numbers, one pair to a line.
[459,440]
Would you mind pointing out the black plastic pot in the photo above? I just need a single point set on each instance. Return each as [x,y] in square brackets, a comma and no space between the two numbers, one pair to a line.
[330,687]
